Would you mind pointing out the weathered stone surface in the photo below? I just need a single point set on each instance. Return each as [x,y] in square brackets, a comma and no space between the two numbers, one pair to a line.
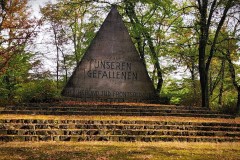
[111,69]
[117,130]
[115,109]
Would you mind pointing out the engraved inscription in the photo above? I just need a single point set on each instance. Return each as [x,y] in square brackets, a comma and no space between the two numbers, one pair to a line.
[104,64]
[114,94]
[104,69]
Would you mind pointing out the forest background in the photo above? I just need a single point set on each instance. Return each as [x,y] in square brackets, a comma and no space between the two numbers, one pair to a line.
[189,47]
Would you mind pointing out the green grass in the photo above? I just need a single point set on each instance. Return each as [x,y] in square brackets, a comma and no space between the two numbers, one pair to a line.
[118,151]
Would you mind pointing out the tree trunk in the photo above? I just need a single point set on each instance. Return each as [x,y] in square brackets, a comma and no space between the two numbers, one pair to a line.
[203,76]
[221,85]
[65,66]
[193,77]
[156,62]
[194,83]
[56,45]
[233,78]
[238,102]
[202,49]
[135,21]
[73,28]
[205,93]
[205,22]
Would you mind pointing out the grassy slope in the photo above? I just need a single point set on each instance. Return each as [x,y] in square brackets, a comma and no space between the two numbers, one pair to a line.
[119,151]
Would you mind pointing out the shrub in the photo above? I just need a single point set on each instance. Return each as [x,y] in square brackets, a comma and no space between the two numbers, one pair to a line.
[182,93]
[228,106]
[38,91]
[164,99]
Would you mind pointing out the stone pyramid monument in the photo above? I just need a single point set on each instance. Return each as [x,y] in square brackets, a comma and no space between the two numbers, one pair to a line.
[111,69]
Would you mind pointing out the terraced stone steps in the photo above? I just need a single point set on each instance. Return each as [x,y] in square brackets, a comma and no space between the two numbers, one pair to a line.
[117,130]
[110,109]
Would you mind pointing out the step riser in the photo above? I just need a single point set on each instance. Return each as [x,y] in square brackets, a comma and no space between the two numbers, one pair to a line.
[117,132]
[111,110]
[118,114]
[119,127]
[22,122]
[113,122]
[106,106]
[148,112]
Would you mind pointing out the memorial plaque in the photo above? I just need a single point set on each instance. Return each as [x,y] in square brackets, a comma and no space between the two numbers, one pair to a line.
[111,69]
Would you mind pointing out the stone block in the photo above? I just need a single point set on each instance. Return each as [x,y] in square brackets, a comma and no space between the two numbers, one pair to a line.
[6,138]
[74,139]
[3,132]
[21,138]
[12,132]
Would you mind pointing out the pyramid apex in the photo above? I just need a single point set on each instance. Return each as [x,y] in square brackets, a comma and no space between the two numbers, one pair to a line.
[114,6]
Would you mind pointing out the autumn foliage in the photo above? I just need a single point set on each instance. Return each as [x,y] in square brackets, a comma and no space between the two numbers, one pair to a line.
[16,30]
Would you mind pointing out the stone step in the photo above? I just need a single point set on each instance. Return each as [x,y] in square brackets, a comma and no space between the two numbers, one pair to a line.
[111,112]
[80,108]
[47,105]
[120,126]
[119,138]
[77,122]
[129,132]
[115,113]
[71,109]
[126,110]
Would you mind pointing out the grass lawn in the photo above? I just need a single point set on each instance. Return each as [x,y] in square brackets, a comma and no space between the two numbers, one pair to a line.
[119,151]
